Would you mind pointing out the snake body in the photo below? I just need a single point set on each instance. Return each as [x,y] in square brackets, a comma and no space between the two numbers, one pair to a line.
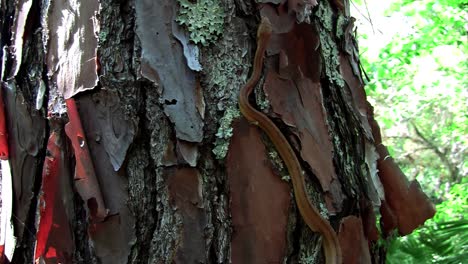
[309,213]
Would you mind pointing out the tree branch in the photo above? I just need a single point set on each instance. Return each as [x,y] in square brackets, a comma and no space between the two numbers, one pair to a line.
[443,157]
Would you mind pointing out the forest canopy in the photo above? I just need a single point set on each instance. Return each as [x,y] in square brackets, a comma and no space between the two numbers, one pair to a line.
[415,57]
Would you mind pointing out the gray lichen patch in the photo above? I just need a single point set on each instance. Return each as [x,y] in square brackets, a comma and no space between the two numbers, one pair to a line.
[225,128]
[276,160]
[260,97]
[226,72]
[263,104]
[224,132]
[328,46]
[278,163]
[315,196]
[341,23]
[204,19]
[226,69]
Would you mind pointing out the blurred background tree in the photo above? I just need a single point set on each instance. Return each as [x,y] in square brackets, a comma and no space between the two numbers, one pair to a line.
[415,55]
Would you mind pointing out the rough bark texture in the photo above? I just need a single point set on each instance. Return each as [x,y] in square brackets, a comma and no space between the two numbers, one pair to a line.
[184,178]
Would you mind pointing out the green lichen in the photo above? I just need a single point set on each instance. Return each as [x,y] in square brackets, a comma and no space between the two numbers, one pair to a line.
[323,210]
[223,76]
[331,57]
[262,100]
[310,248]
[102,36]
[226,72]
[341,24]
[278,164]
[224,133]
[305,259]
[221,148]
[204,19]
[286,178]
[226,68]
[325,15]
[225,128]
[328,45]
[263,104]
[260,97]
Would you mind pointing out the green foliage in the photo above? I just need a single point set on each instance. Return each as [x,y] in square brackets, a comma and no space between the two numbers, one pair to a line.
[418,85]
[204,19]
[419,90]
[456,205]
[443,239]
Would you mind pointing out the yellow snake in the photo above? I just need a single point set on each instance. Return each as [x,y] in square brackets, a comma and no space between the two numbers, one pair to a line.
[309,213]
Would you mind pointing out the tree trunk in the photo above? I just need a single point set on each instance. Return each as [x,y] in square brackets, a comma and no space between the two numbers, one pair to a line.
[159,166]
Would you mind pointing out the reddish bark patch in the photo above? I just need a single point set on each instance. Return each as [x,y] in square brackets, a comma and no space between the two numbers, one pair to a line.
[294,92]
[374,125]
[47,197]
[185,194]
[281,20]
[85,178]
[299,5]
[358,94]
[406,201]
[300,47]
[389,221]
[355,84]
[107,239]
[259,200]
[188,152]
[299,103]
[353,243]
[3,258]
[369,221]
[3,130]
[54,236]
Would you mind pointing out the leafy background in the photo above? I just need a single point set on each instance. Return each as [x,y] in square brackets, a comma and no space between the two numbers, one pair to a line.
[415,54]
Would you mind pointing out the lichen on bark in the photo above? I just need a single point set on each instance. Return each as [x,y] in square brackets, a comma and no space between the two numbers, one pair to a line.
[226,67]
[330,54]
[204,19]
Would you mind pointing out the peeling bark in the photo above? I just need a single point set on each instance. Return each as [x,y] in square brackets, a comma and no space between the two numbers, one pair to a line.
[71,45]
[259,202]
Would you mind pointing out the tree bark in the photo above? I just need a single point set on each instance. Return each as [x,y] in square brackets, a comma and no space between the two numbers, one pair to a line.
[166,169]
